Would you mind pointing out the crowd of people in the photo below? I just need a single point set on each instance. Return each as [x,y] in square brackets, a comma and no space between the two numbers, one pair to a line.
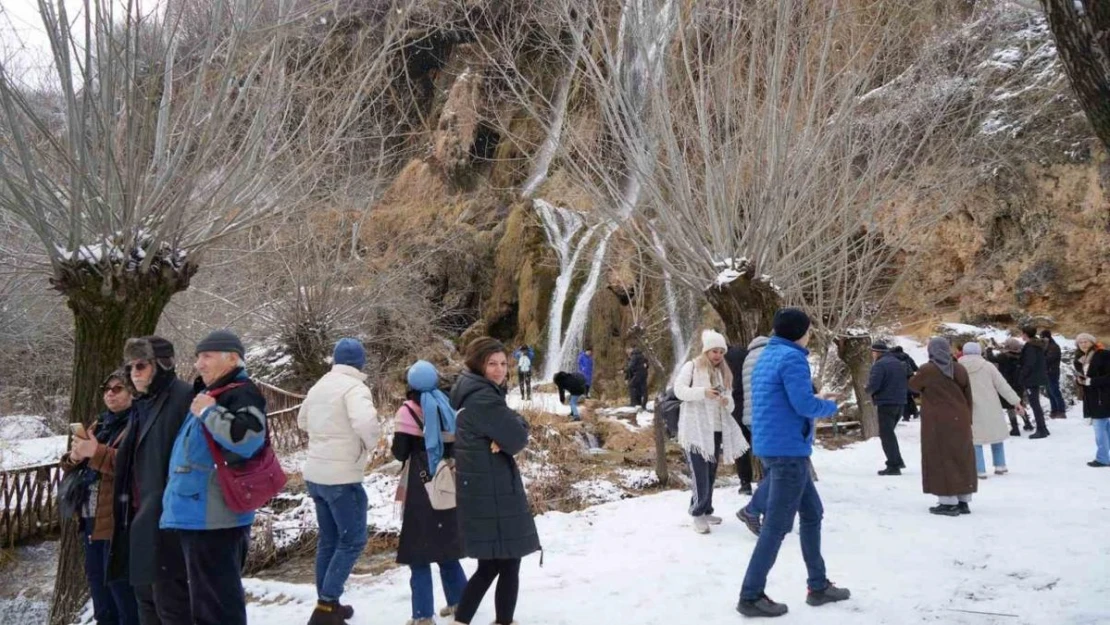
[166,540]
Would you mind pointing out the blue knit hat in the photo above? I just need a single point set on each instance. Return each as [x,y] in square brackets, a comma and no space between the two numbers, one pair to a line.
[349,352]
[423,377]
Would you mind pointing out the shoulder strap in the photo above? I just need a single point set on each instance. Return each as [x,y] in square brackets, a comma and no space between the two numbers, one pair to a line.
[212,446]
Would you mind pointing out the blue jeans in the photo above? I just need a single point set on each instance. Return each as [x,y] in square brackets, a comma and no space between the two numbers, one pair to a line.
[574,408]
[758,504]
[341,515]
[998,457]
[1055,397]
[423,600]
[791,492]
[1102,440]
[114,603]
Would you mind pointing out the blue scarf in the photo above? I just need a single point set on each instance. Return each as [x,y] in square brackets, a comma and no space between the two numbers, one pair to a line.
[439,417]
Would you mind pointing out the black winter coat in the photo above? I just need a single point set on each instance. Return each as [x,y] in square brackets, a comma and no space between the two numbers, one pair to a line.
[888,384]
[140,551]
[427,535]
[1009,365]
[636,372]
[1034,365]
[735,357]
[1096,397]
[1053,357]
[572,383]
[494,516]
[911,366]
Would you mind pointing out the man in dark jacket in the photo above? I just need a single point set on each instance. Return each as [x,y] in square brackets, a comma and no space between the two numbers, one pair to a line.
[1053,358]
[888,387]
[911,368]
[573,384]
[1032,375]
[735,357]
[636,374]
[149,557]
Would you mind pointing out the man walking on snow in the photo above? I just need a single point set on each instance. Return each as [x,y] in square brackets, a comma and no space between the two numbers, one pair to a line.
[783,412]
[888,388]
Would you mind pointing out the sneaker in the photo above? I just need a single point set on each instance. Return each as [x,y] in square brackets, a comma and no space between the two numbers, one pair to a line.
[963,507]
[746,488]
[891,471]
[1040,434]
[982,476]
[945,510]
[1001,470]
[327,613]
[1096,464]
[831,594]
[750,520]
[1014,432]
[713,520]
[763,606]
[701,525]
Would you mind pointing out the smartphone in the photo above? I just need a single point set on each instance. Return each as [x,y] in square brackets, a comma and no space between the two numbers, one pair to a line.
[78,430]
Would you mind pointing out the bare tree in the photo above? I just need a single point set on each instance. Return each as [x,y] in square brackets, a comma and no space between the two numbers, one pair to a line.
[1082,32]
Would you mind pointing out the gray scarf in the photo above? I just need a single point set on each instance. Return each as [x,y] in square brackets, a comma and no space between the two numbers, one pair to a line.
[940,354]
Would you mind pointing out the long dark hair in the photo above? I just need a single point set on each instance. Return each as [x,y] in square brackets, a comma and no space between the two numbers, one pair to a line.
[478,352]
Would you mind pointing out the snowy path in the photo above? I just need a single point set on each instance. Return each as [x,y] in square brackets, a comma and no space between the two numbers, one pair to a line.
[1034,547]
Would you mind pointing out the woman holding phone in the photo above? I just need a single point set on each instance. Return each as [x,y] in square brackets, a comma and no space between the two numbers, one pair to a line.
[706,429]
[1092,374]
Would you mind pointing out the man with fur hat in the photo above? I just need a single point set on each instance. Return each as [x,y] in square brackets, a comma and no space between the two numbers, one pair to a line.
[784,408]
[229,411]
[147,555]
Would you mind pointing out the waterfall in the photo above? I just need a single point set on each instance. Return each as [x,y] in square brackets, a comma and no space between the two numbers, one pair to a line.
[560,227]
[566,357]
[679,323]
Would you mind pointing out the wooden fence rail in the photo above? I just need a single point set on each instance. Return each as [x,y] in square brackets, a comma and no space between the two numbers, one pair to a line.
[29,495]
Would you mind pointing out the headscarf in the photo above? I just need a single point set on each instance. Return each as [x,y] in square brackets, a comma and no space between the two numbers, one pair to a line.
[940,354]
[439,416]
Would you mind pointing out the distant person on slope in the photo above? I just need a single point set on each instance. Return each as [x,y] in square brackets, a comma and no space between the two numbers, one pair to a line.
[1008,361]
[425,428]
[706,430]
[947,454]
[524,358]
[988,426]
[636,374]
[586,368]
[1092,374]
[1053,359]
[1033,374]
[911,368]
[888,387]
[494,517]
[783,412]
[573,384]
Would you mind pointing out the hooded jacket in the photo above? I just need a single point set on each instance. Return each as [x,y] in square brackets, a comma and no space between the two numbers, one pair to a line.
[1033,372]
[988,421]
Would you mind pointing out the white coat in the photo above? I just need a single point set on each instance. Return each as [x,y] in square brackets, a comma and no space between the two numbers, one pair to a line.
[338,414]
[988,419]
[700,417]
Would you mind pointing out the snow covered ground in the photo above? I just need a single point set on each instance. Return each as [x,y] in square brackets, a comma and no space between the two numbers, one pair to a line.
[1030,552]
[31,452]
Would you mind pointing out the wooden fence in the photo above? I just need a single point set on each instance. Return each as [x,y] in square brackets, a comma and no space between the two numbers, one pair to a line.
[28,495]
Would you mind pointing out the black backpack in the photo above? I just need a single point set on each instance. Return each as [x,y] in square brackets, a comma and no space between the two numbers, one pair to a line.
[669,405]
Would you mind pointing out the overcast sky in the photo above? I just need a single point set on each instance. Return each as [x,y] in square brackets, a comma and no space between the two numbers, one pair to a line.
[24,48]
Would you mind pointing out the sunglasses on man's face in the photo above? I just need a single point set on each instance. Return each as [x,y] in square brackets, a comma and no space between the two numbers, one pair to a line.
[114,390]
[140,366]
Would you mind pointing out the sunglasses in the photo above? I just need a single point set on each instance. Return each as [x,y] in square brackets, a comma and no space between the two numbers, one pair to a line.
[114,390]
[140,366]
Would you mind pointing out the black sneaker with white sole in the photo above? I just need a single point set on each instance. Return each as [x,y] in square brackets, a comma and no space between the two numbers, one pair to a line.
[761,607]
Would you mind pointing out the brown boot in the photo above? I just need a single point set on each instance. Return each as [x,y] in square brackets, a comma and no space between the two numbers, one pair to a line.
[327,613]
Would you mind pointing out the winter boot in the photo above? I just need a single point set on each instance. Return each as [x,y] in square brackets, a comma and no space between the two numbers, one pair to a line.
[701,525]
[327,613]
[1028,427]
[982,476]
[347,611]
[746,488]
[449,610]
[762,606]
[963,507]
[1014,431]
[832,594]
[750,520]
[1039,434]
[713,520]
[945,510]
[891,471]
[1095,464]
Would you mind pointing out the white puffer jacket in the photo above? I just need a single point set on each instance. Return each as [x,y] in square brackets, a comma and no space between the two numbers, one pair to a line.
[988,419]
[342,427]
[699,417]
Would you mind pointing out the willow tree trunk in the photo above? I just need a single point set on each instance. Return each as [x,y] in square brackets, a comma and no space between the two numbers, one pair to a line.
[855,351]
[637,337]
[108,308]
[1083,40]
[747,306]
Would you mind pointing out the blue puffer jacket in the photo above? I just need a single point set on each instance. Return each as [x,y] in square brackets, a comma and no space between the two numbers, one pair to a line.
[237,422]
[783,403]
[586,367]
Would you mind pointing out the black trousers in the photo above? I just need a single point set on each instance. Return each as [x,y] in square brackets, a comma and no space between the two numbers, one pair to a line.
[525,379]
[164,603]
[744,463]
[507,574]
[637,391]
[1034,395]
[911,407]
[889,416]
[214,560]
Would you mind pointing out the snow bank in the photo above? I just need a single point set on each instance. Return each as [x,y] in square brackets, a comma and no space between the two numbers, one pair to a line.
[21,427]
[33,452]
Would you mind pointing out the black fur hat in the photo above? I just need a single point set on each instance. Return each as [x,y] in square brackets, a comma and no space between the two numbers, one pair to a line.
[148,348]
